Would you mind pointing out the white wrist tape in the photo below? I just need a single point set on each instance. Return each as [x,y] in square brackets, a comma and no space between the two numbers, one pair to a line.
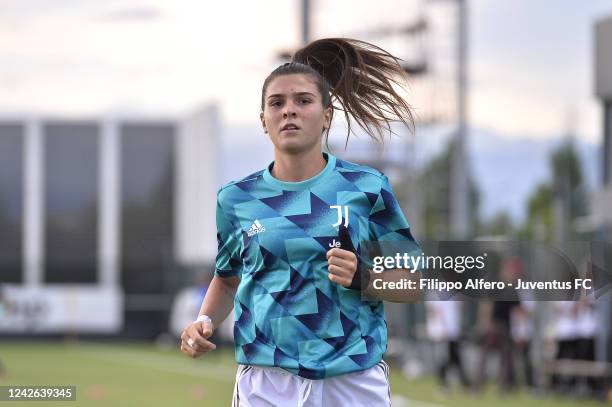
[204,318]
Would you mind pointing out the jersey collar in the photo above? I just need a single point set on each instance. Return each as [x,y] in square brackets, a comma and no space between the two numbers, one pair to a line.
[300,185]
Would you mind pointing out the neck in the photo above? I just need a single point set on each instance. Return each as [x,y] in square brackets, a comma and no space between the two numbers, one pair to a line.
[298,167]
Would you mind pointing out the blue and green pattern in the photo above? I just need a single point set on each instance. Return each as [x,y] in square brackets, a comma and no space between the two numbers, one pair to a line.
[274,235]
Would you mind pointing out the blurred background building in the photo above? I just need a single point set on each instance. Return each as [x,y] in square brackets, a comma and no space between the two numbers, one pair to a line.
[103,219]
[601,215]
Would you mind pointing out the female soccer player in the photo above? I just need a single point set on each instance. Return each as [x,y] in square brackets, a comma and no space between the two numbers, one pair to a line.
[286,261]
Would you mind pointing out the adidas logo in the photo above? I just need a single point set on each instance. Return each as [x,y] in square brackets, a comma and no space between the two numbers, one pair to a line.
[256,228]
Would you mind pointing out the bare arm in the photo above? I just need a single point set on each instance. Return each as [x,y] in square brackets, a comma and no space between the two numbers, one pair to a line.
[219,299]
[217,304]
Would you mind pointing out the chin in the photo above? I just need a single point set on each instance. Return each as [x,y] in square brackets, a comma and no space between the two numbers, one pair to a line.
[293,149]
[294,146]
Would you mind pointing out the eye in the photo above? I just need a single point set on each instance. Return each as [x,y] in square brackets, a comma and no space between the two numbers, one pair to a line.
[275,103]
[305,101]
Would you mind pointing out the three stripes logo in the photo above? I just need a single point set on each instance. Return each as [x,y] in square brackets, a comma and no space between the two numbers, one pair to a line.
[256,228]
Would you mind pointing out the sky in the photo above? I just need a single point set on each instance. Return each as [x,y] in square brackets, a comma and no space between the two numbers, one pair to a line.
[530,63]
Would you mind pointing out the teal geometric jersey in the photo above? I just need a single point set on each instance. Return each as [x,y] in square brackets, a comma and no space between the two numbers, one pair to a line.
[274,236]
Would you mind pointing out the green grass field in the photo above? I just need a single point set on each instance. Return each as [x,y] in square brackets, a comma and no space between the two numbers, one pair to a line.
[145,375]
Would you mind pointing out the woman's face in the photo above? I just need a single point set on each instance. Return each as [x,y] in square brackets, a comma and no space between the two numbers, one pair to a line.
[293,113]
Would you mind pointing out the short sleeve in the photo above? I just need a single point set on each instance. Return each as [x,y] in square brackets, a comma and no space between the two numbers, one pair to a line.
[388,223]
[229,242]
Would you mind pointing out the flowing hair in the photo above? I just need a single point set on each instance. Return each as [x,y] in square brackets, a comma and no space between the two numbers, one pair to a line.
[360,76]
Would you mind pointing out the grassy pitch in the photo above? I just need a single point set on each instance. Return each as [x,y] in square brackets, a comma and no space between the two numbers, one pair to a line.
[145,375]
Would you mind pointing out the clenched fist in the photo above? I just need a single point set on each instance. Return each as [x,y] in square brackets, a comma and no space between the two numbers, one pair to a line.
[194,339]
[342,266]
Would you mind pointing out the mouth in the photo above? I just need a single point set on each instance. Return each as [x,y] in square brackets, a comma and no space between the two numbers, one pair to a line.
[289,127]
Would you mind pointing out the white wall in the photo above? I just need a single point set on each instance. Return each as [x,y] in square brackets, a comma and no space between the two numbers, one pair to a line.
[197,174]
[603,58]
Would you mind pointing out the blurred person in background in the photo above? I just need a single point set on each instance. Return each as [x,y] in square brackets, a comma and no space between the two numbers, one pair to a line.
[586,331]
[444,330]
[566,336]
[495,319]
[303,334]
[576,329]
[3,308]
[521,324]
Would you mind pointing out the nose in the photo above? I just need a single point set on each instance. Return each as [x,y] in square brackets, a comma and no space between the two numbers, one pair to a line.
[289,110]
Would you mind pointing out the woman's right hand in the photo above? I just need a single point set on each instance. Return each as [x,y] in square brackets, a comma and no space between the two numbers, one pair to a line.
[194,339]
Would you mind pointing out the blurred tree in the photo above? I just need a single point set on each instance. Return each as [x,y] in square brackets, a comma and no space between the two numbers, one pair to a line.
[565,164]
[567,186]
[539,223]
[435,182]
[500,224]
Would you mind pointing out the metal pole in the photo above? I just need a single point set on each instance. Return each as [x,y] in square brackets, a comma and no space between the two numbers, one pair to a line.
[460,227]
[305,21]
[607,142]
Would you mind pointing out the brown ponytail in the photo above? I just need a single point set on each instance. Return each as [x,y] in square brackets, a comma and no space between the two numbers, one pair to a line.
[360,76]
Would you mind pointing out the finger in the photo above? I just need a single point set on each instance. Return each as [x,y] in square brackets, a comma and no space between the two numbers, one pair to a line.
[201,344]
[339,280]
[341,276]
[196,330]
[341,253]
[198,342]
[348,261]
[206,329]
[189,351]
[350,264]
[186,349]
[339,271]
[185,338]
[194,350]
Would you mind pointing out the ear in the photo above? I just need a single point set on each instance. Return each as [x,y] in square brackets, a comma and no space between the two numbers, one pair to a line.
[327,116]
[263,122]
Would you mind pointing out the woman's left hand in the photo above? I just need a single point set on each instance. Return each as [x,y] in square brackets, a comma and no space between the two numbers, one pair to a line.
[342,266]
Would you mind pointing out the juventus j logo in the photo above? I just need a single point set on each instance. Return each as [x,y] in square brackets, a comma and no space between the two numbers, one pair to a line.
[339,208]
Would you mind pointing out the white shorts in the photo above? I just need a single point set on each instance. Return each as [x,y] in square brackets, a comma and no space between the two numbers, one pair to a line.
[259,386]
